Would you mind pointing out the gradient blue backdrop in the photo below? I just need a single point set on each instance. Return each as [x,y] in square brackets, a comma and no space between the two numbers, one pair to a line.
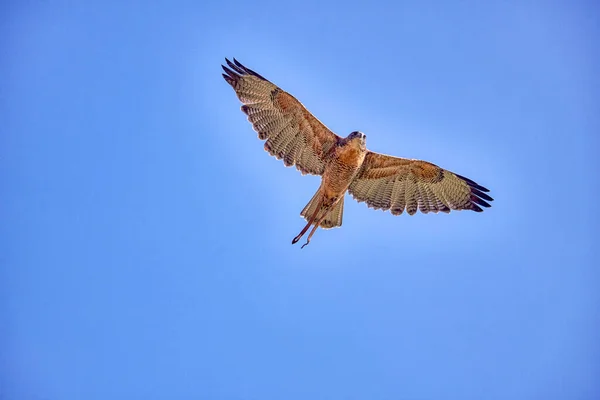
[145,234]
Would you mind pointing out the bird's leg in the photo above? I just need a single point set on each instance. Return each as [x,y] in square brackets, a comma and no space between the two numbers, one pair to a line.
[310,221]
[314,229]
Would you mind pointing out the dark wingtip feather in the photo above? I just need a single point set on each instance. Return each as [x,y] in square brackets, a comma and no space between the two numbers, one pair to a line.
[478,196]
[479,193]
[241,69]
[475,207]
[247,70]
[479,201]
[472,183]
[228,79]
[229,72]
[235,67]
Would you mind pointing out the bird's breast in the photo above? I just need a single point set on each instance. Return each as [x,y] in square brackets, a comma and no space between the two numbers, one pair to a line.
[341,169]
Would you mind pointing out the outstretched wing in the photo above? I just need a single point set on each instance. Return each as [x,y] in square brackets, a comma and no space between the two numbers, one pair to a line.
[292,133]
[393,183]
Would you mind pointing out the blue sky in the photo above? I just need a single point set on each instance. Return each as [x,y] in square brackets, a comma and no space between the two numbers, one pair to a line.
[145,234]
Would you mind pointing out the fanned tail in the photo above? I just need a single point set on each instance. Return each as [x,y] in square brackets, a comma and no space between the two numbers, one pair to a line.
[333,218]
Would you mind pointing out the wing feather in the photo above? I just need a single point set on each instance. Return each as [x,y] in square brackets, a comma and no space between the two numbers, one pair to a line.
[291,132]
[398,199]
[425,204]
[398,184]
[410,195]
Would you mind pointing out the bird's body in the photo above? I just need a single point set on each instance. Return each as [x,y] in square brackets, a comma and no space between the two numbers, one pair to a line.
[342,166]
[385,182]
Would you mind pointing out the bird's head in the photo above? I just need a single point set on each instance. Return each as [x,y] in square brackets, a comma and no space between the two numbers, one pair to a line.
[358,138]
[357,135]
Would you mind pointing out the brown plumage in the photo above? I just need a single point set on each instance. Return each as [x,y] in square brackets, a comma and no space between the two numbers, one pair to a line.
[385,182]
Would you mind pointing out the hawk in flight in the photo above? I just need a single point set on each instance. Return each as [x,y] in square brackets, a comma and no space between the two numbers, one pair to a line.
[384,182]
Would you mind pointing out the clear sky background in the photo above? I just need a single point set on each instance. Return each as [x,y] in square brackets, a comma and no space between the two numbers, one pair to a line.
[145,234]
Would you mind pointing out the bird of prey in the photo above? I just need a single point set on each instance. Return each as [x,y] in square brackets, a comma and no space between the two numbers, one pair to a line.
[384,182]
